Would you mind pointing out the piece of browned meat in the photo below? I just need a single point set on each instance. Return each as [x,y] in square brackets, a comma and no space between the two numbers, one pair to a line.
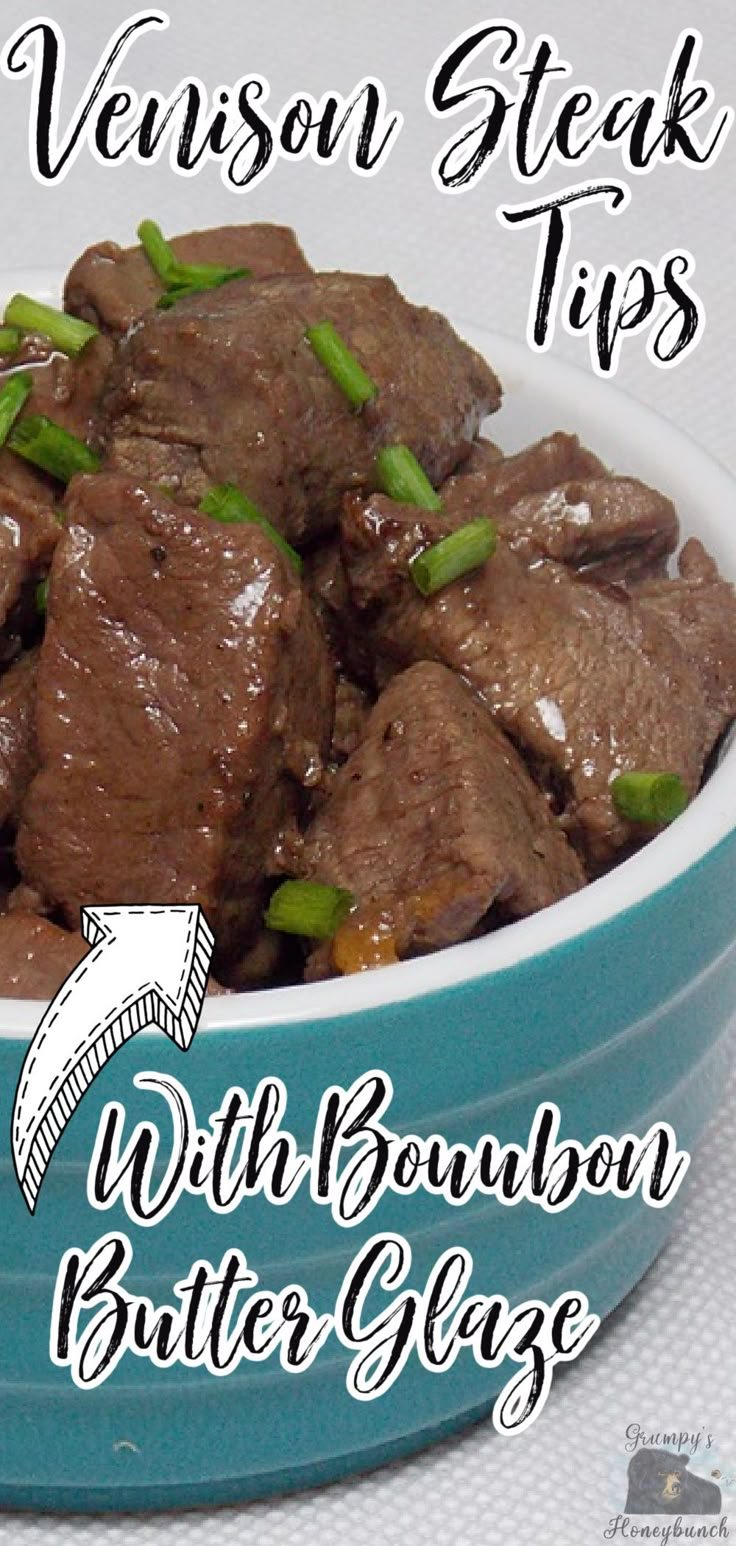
[351,712]
[18,755]
[432,821]
[225,387]
[700,610]
[67,391]
[558,458]
[586,682]
[29,532]
[34,349]
[197,699]
[36,957]
[326,582]
[614,529]
[556,500]
[112,287]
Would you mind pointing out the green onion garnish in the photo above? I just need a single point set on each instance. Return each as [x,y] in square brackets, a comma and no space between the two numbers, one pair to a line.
[160,255]
[453,556]
[346,372]
[401,477]
[12,397]
[655,798]
[67,334]
[54,449]
[42,596]
[176,293]
[10,338]
[309,908]
[205,276]
[181,278]
[224,502]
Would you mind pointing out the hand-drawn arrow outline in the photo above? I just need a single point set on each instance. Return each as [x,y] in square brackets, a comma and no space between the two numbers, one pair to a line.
[73,1041]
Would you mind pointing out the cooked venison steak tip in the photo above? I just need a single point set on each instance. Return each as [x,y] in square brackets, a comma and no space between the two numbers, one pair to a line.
[112,286]
[433,820]
[29,532]
[351,711]
[69,392]
[225,387]
[185,693]
[18,755]
[556,500]
[36,957]
[34,349]
[327,585]
[587,682]
[700,610]
[482,454]
[558,458]
[611,528]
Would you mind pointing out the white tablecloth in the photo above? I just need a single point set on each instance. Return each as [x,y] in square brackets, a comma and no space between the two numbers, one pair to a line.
[668,1358]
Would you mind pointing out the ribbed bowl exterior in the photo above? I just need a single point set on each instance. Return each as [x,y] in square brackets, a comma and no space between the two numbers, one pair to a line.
[621,1026]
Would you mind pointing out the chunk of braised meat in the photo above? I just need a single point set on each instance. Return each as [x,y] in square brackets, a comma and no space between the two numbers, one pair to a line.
[587,682]
[555,500]
[614,529]
[326,582]
[36,956]
[699,608]
[481,455]
[112,287]
[29,531]
[18,754]
[25,899]
[352,707]
[67,391]
[431,822]
[33,349]
[225,387]
[261,963]
[197,699]
[558,458]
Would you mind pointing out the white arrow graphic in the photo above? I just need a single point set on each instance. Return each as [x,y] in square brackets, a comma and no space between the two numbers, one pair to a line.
[146,966]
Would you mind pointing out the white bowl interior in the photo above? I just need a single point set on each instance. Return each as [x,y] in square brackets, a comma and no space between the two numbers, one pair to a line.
[540,395]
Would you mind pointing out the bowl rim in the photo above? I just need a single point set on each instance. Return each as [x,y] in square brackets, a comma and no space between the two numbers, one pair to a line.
[708,821]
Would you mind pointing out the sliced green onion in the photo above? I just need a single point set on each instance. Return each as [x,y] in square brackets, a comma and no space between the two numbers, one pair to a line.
[453,556]
[42,595]
[67,334]
[206,276]
[309,908]
[342,366]
[224,502]
[10,338]
[12,397]
[160,255]
[176,293]
[655,798]
[54,449]
[401,477]
[181,278]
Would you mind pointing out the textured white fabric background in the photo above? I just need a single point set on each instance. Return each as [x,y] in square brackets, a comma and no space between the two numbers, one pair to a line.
[669,1356]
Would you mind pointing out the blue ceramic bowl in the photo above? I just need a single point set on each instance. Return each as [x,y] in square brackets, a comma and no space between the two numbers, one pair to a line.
[614,1004]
